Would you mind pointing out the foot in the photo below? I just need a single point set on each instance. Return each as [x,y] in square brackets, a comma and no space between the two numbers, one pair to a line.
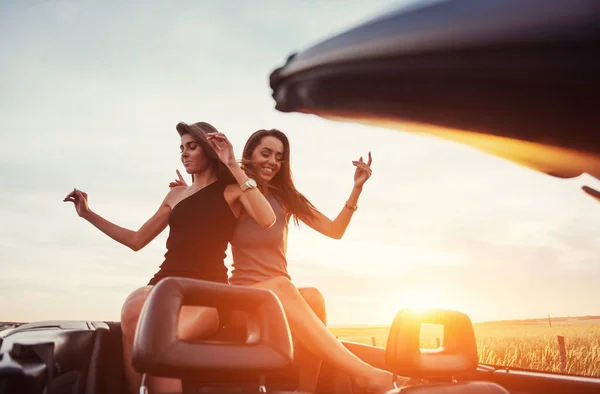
[381,381]
[378,381]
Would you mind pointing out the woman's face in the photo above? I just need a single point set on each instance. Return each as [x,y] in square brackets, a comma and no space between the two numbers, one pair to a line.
[192,156]
[267,157]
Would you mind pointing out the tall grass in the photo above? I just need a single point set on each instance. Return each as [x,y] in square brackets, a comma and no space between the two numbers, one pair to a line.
[531,346]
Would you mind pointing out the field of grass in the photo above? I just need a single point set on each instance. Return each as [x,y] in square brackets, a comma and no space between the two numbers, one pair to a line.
[529,346]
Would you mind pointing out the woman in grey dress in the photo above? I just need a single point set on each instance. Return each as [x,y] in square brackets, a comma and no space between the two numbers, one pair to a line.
[259,257]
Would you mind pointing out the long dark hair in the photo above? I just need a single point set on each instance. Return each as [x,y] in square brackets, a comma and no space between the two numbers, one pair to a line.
[199,131]
[282,185]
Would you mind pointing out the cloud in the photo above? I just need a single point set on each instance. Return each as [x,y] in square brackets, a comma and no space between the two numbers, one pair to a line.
[89,98]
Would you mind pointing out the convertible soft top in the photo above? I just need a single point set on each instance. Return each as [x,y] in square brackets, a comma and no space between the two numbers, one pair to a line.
[516,78]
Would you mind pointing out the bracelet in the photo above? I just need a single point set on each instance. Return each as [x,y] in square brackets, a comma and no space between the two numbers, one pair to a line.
[352,208]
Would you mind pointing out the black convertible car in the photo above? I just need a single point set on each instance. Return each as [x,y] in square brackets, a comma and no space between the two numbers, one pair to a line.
[514,78]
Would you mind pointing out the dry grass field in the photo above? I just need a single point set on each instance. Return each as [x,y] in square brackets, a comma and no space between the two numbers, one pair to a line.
[532,345]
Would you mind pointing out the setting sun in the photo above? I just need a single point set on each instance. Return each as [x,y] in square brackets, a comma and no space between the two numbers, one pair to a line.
[420,299]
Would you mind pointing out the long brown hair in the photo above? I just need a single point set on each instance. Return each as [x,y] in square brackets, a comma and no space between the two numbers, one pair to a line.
[199,131]
[282,185]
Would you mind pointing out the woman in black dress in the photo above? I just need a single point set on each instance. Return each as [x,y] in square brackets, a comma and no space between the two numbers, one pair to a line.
[202,218]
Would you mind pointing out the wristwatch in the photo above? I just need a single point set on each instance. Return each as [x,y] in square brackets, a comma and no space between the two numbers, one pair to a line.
[249,184]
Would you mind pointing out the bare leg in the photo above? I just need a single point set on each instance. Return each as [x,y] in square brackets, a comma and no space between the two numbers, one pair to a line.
[312,333]
[194,323]
[308,364]
[130,314]
[197,322]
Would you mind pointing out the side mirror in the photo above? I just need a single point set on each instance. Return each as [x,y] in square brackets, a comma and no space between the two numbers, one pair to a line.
[457,354]
[157,350]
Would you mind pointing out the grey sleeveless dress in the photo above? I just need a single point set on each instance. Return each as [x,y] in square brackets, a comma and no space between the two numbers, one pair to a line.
[259,253]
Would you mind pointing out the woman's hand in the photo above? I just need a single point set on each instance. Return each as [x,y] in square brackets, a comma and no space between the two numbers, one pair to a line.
[363,171]
[178,182]
[80,200]
[222,147]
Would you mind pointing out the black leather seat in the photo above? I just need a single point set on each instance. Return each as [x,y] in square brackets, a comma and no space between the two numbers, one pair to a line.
[236,331]
[455,358]
[240,365]
[75,357]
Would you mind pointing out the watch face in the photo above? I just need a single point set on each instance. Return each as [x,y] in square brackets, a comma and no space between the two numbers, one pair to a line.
[251,182]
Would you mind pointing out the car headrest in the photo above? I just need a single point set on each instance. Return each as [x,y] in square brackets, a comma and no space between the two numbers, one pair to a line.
[157,350]
[456,355]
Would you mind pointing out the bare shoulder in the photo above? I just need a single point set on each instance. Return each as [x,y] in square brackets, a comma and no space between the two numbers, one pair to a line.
[174,195]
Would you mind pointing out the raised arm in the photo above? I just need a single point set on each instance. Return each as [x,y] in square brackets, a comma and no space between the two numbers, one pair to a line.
[337,227]
[253,201]
[134,240]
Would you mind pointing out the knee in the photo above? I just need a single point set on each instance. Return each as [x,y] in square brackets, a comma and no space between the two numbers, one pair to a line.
[197,323]
[312,295]
[316,301]
[131,309]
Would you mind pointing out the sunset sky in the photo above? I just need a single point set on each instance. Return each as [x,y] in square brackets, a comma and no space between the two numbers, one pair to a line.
[91,91]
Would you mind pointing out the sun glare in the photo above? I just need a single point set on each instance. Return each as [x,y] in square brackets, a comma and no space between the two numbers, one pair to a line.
[419,299]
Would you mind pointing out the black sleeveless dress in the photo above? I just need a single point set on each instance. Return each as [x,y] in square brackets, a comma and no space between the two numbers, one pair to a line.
[201,227]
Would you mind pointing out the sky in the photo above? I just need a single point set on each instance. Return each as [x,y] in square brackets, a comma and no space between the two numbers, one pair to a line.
[90,93]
